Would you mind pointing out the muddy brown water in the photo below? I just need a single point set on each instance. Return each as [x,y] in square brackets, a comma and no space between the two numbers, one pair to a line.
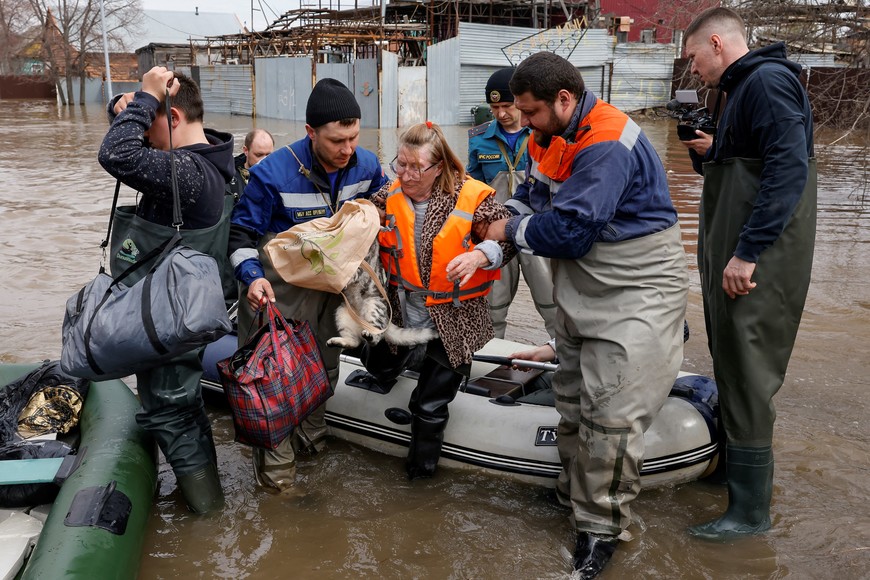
[360,518]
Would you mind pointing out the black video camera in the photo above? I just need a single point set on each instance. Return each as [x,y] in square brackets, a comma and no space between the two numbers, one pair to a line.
[691,118]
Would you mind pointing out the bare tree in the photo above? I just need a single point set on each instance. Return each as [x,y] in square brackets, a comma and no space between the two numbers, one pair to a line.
[73,31]
[834,31]
[16,18]
[121,16]
[837,28]
[841,27]
[841,95]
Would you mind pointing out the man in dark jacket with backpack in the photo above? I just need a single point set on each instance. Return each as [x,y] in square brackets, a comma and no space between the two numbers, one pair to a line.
[755,250]
[136,151]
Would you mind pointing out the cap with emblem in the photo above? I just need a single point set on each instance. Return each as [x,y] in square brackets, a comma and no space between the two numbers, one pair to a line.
[497,89]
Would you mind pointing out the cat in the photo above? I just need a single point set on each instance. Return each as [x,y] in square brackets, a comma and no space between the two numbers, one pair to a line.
[363,295]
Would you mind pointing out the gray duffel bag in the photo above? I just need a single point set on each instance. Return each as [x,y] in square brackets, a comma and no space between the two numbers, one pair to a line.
[111,330]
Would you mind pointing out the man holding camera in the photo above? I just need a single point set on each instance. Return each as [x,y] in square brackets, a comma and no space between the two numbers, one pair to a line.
[597,203]
[755,247]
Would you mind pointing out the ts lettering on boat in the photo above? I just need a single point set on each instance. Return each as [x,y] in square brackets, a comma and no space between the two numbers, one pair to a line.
[545,436]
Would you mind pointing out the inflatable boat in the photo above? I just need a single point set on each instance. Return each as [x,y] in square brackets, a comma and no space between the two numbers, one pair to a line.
[95,526]
[504,421]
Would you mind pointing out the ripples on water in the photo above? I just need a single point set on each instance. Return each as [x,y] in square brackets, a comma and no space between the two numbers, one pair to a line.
[360,517]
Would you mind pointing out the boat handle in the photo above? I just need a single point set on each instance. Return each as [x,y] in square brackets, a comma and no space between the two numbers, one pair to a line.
[514,362]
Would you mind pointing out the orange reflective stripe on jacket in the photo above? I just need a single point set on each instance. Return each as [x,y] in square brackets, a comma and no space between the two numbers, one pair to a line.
[603,123]
[399,252]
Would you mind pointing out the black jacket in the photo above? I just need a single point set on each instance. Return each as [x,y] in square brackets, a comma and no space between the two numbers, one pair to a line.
[202,170]
[768,117]
[237,184]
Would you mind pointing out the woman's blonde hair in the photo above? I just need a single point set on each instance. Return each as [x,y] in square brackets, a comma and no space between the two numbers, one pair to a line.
[429,134]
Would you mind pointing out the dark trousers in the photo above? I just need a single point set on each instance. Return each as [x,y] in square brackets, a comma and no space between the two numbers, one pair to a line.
[436,387]
[174,413]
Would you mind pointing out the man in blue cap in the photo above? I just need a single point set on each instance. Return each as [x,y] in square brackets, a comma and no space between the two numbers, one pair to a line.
[497,155]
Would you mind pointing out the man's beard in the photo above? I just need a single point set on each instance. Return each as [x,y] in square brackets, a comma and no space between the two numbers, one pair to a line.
[541,139]
[543,135]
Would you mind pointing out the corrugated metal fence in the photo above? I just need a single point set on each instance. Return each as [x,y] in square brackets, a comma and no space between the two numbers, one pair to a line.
[453,82]
[283,86]
[365,88]
[389,89]
[642,76]
[630,76]
[412,95]
[442,80]
[95,89]
[227,88]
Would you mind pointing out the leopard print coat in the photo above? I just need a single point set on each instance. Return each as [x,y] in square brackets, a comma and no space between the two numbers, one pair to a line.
[466,329]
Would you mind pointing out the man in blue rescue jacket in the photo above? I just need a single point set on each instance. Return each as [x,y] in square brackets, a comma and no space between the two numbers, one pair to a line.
[307,179]
[497,155]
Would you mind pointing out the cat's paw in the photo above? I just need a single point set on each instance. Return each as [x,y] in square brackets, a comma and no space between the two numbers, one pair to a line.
[370,338]
[341,342]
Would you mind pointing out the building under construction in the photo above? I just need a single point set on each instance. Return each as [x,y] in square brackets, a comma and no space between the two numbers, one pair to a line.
[330,33]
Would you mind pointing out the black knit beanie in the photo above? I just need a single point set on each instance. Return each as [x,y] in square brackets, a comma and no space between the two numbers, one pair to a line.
[497,89]
[330,101]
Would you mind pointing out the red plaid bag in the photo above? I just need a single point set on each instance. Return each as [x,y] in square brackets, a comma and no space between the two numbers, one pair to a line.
[274,381]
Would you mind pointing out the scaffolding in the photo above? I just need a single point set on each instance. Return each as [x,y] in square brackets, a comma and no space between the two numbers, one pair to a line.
[405,27]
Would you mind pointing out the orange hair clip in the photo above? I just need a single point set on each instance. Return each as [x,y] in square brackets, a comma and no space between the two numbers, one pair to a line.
[429,124]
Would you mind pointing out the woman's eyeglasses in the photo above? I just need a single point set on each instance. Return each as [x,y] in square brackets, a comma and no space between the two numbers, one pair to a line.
[413,173]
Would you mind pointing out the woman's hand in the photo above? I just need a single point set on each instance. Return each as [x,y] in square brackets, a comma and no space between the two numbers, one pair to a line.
[463,266]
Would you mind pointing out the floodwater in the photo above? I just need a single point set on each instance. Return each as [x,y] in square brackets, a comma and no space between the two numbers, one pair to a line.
[361,518]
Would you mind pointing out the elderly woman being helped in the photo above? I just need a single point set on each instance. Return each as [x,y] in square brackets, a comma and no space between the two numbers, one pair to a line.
[439,274]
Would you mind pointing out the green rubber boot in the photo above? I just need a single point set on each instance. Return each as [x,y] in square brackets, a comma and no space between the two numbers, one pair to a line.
[750,487]
[202,489]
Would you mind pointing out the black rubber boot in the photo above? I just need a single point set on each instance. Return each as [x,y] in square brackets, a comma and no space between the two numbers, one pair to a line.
[202,489]
[382,365]
[427,436]
[750,487]
[592,553]
[436,387]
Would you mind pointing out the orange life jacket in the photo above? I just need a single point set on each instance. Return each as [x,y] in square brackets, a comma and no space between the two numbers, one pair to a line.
[399,254]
